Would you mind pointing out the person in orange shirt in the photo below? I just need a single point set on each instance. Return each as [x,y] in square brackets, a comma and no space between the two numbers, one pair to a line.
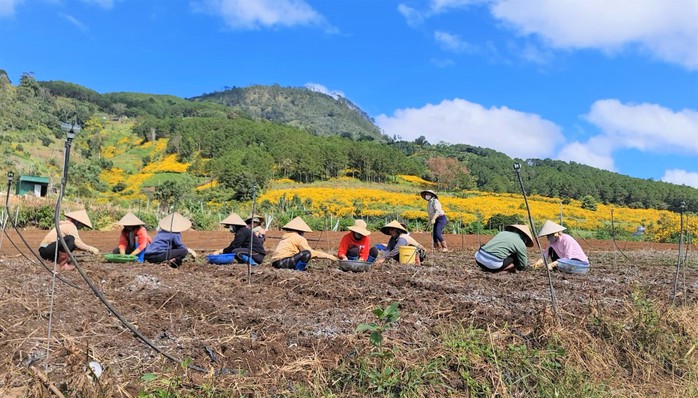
[293,250]
[356,245]
[51,250]
[134,236]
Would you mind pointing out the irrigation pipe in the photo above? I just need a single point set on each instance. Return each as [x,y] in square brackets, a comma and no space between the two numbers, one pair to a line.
[91,284]
[678,261]
[249,254]
[553,299]
[613,238]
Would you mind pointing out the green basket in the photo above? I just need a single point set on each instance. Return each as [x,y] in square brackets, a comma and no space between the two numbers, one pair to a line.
[120,258]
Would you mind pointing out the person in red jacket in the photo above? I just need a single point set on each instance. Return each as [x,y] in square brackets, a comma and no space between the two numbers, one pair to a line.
[356,245]
[134,236]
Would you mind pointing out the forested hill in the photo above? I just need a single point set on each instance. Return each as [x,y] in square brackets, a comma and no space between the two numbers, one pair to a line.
[301,107]
[211,141]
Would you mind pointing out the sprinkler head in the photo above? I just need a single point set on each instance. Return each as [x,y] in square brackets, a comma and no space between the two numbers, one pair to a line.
[517,166]
[10,176]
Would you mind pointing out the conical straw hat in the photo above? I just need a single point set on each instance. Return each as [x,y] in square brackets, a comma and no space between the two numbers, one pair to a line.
[524,229]
[550,228]
[297,224]
[393,224]
[233,219]
[81,217]
[254,218]
[360,228]
[130,220]
[426,191]
[175,222]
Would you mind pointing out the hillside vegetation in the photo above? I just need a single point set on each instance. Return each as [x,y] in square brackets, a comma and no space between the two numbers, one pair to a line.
[219,150]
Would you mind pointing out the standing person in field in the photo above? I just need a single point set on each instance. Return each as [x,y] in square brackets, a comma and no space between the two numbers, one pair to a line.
[437,218]
[399,237]
[561,247]
[134,236]
[293,250]
[69,231]
[240,246]
[356,245]
[255,222]
[167,245]
[506,251]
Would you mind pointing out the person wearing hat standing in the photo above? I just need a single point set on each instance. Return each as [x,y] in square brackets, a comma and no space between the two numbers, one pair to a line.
[240,246]
[255,222]
[437,218]
[69,231]
[134,236]
[506,251]
[399,237]
[356,245]
[167,245]
[293,250]
[561,247]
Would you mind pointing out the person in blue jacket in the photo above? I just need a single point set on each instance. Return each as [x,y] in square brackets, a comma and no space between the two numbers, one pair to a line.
[167,245]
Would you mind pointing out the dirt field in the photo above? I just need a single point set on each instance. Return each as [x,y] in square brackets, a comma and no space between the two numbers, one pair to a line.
[262,335]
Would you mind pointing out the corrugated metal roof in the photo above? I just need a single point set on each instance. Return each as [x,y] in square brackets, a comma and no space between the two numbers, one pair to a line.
[44,180]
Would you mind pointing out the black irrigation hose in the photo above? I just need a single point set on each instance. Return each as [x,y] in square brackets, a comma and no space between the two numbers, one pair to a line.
[553,299]
[249,255]
[613,237]
[91,284]
[678,261]
[14,225]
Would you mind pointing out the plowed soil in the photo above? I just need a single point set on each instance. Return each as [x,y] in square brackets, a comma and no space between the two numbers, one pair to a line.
[265,331]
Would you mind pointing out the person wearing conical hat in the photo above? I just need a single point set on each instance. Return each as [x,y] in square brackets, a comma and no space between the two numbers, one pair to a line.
[134,236]
[506,251]
[240,246]
[356,244]
[437,218]
[69,231]
[255,222]
[561,247]
[398,237]
[293,250]
[167,245]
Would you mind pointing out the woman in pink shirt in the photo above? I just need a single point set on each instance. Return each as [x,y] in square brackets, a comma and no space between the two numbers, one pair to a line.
[561,247]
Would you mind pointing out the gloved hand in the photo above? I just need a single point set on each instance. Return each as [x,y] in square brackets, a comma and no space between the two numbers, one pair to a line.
[538,264]
[552,266]
[219,251]
[192,252]
[94,250]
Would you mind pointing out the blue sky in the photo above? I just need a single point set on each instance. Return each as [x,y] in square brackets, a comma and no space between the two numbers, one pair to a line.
[609,83]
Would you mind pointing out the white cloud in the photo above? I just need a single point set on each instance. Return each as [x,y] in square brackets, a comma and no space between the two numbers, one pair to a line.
[453,43]
[442,62]
[7,7]
[412,16]
[322,89]
[439,6]
[666,29]
[593,153]
[75,22]
[255,14]
[646,127]
[676,176]
[515,133]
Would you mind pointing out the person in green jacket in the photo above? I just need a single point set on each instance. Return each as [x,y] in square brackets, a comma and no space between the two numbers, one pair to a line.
[506,251]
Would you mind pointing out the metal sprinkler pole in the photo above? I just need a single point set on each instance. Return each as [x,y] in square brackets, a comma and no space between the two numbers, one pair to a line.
[553,299]
[678,261]
[249,255]
[613,238]
[6,211]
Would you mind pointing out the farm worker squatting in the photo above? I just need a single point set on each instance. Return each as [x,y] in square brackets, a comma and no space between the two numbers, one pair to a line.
[293,250]
[134,236]
[167,245]
[69,230]
[356,245]
[398,237]
[561,247]
[437,218]
[240,246]
[506,251]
